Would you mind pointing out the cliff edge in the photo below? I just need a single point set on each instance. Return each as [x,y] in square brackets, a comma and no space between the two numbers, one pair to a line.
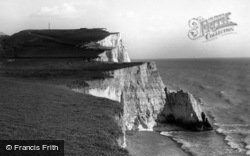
[138,88]
[89,44]
[145,99]
[64,56]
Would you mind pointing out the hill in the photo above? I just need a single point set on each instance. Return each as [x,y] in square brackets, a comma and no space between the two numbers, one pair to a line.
[69,43]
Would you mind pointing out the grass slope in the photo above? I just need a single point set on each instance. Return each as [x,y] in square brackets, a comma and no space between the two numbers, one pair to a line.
[54,43]
[31,110]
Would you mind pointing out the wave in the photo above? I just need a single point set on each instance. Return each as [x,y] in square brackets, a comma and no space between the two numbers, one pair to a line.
[232,125]
[209,142]
[230,131]
[203,87]
[233,128]
[225,90]
[248,149]
[223,95]
[235,134]
[185,144]
[140,128]
[235,143]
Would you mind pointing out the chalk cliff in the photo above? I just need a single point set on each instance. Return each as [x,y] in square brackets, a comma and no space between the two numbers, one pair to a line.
[139,89]
[90,44]
[3,34]
[115,50]
[145,99]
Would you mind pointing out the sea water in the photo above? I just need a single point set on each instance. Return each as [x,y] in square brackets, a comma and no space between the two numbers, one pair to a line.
[223,87]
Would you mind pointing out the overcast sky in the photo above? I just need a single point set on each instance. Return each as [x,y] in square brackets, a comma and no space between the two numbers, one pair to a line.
[150,28]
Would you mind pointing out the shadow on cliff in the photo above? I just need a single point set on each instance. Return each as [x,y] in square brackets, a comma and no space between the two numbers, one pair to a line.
[67,67]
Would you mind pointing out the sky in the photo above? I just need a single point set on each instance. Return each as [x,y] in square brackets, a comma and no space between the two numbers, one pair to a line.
[149,28]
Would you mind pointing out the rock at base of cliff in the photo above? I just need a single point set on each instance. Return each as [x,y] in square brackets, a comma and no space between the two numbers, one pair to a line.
[182,109]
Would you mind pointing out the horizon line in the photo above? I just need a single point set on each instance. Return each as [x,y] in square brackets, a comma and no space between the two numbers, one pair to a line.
[248,57]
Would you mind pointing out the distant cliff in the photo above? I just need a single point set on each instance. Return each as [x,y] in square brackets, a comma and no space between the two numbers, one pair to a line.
[3,34]
[117,53]
[89,44]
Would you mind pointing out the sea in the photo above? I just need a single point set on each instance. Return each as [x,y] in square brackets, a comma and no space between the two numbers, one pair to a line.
[222,86]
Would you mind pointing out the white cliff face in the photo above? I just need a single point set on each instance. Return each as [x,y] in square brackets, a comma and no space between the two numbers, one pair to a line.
[108,92]
[120,122]
[145,99]
[139,89]
[118,52]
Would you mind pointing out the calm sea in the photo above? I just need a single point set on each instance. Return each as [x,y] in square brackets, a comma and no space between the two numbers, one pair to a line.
[223,85]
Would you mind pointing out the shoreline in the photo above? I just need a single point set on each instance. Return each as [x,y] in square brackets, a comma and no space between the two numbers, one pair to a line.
[180,145]
[146,143]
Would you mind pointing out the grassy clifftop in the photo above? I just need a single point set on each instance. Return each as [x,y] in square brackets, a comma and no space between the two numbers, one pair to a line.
[37,110]
[66,43]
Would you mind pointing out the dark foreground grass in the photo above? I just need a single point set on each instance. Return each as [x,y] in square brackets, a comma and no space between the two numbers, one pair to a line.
[63,71]
[31,110]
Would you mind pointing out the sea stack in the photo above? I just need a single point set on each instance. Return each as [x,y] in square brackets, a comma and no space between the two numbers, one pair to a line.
[182,109]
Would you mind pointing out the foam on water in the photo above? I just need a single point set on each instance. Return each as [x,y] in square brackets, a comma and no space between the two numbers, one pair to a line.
[201,143]
[248,151]
[186,145]
[247,142]
[235,135]
[140,128]
[167,133]
[235,143]
[235,130]
[232,125]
